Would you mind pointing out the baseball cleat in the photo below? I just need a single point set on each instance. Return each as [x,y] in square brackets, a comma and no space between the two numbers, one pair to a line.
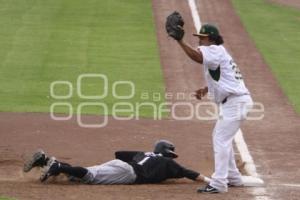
[236,182]
[51,169]
[208,190]
[37,160]
[235,185]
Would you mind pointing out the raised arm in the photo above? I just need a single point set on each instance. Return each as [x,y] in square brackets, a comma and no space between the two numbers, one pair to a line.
[174,28]
[191,52]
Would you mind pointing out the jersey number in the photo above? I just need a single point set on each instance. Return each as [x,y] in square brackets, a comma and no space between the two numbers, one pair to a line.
[147,156]
[143,161]
[235,68]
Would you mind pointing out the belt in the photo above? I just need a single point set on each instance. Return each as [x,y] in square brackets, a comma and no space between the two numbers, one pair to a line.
[224,100]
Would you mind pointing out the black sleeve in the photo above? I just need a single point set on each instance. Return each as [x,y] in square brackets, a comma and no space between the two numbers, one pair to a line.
[126,156]
[180,172]
[190,174]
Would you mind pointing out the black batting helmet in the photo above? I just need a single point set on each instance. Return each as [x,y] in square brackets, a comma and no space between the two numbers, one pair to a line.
[166,148]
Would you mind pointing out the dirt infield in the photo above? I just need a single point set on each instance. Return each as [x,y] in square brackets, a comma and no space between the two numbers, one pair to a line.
[273,141]
[88,147]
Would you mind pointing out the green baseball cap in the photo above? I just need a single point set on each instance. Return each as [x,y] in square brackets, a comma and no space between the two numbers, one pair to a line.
[207,30]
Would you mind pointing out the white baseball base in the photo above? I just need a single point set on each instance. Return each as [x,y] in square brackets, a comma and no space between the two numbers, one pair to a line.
[251,181]
[248,181]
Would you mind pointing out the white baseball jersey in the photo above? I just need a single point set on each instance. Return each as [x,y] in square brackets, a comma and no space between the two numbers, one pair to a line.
[222,75]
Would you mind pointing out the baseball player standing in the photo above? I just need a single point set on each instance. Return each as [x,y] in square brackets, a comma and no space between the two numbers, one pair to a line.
[226,87]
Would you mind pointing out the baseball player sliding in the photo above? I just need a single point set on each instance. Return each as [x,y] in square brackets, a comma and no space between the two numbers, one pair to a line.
[226,87]
[129,167]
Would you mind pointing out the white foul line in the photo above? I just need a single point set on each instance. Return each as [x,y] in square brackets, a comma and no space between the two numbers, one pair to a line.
[245,154]
[290,185]
[239,139]
[195,14]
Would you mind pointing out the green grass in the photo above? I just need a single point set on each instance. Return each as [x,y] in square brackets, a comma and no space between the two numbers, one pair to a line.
[276,32]
[49,40]
[5,198]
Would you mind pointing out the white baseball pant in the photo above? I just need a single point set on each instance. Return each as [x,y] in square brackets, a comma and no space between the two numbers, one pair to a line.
[232,113]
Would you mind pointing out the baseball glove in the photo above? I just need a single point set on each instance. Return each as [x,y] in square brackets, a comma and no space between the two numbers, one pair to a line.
[174,26]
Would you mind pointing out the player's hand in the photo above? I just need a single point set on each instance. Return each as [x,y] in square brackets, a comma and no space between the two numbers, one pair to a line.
[199,94]
[202,178]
